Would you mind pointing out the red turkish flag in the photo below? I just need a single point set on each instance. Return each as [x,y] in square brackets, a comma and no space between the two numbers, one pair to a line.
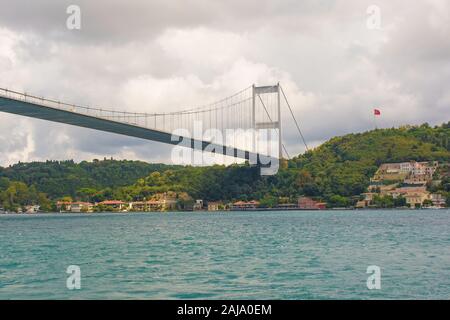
[377,112]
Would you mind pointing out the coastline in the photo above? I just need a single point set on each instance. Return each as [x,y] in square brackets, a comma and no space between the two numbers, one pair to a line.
[222,211]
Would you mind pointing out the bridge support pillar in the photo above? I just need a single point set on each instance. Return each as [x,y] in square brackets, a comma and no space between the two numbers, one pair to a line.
[274,119]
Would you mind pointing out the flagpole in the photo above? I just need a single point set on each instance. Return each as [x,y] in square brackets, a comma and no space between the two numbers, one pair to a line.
[375,120]
[376,113]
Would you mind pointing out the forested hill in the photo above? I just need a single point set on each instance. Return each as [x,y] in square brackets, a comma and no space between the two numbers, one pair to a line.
[60,178]
[337,172]
[343,165]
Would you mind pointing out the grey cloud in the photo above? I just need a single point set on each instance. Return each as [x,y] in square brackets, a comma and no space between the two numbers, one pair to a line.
[163,55]
[108,21]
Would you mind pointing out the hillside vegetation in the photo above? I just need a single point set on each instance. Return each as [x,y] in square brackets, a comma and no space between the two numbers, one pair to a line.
[337,172]
[65,178]
[343,165]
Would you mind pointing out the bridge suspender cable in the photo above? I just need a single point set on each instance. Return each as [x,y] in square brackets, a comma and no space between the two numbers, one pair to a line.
[232,111]
[295,120]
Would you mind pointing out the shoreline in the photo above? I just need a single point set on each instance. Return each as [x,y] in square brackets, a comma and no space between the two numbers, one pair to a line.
[224,211]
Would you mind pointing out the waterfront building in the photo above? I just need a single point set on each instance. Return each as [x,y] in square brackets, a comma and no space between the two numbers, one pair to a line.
[213,206]
[63,206]
[414,195]
[287,206]
[367,201]
[138,206]
[198,205]
[361,204]
[81,207]
[34,208]
[306,203]
[166,201]
[368,196]
[245,205]
[114,204]
[438,200]
[414,199]
[406,179]
[155,205]
[169,204]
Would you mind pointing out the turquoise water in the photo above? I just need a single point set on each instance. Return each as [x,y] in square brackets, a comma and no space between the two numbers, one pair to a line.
[230,255]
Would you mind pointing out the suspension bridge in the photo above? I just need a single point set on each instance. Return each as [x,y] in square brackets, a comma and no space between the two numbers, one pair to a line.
[253,109]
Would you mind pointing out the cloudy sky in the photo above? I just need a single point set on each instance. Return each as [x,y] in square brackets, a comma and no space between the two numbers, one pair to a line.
[334,62]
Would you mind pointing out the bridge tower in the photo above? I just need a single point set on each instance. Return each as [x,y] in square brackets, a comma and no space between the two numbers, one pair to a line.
[274,118]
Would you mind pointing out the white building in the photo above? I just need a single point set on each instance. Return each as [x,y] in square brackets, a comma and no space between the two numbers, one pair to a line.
[32,209]
[198,205]
[438,200]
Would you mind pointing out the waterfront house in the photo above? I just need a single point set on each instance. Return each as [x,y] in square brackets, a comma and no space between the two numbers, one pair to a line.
[367,201]
[306,203]
[116,205]
[213,206]
[361,204]
[155,205]
[166,201]
[287,206]
[198,205]
[138,206]
[438,200]
[32,208]
[415,196]
[81,207]
[245,205]
[415,199]
[63,206]
[169,204]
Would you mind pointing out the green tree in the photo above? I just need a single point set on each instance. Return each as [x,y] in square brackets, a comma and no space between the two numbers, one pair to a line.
[269,201]
[384,201]
[338,201]
[400,202]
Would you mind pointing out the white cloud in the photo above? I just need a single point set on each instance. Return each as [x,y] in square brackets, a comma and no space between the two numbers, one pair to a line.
[157,56]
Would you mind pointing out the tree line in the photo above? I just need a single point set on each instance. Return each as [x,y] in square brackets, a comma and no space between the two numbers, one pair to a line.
[337,172]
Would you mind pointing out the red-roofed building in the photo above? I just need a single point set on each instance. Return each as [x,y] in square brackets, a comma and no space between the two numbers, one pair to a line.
[115,204]
[63,206]
[243,205]
[306,203]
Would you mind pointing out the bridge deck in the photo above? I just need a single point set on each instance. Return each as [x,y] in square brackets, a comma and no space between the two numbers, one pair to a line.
[35,110]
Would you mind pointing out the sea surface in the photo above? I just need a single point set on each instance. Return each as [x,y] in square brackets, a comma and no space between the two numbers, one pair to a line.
[227,255]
